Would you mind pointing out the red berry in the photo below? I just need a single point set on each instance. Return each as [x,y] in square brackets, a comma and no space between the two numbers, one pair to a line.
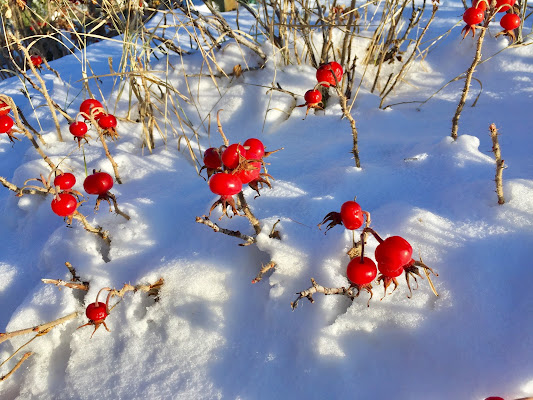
[96,311]
[91,106]
[65,181]
[107,121]
[351,215]
[36,60]
[504,5]
[6,123]
[313,96]
[98,183]
[325,74]
[480,4]
[494,398]
[256,149]
[361,273]
[4,108]
[510,22]
[78,128]
[225,184]
[230,156]
[246,176]
[394,252]
[212,158]
[385,269]
[473,16]
[64,204]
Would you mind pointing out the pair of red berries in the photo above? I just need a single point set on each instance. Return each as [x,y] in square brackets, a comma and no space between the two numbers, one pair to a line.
[476,14]
[65,204]
[392,255]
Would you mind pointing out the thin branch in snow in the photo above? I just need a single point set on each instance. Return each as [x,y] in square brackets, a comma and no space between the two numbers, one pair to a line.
[499,163]
[248,239]
[24,358]
[40,329]
[264,270]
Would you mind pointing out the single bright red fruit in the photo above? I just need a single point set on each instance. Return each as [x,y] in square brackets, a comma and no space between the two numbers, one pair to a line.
[351,215]
[313,96]
[480,4]
[230,156]
[64,204]
[212,158]
[98,183]
[256,149]
[504,5]
[107,121]
[65,181]
[361,273]
[325,74]
[4,108]
[78,128]
[473,16]
[6,123]
[36,60]
[510,22]
[92,106]
[394,252]
[246,176]
[225,184]
[96,311]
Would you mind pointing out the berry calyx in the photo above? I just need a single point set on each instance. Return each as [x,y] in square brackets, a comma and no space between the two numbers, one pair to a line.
[64,204]
[6,123]
[98,183]
[78,129]
[107,121]
[225,184]
[351,215]
[361,272]
[65,181]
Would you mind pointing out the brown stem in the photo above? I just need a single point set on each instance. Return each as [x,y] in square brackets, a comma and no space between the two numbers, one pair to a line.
[115,205]
[316,288]
[348,115]
[468,80]
[373,232]
[109,156]
[88,227]
[38,328]
[72,285]
[264,269]
[72,270]
[224,138]
[24,190]
[248,239]
[499,163]
[243,205]
[17,366]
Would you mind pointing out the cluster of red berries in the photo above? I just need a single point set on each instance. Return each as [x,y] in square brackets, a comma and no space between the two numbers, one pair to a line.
[393,255]
[231,167]
[65,202]
[476,14]
[328,74]
[92,110]
[6,122]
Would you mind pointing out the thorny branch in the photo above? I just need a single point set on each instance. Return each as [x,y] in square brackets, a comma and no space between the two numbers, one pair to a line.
[316,288]
[248,239]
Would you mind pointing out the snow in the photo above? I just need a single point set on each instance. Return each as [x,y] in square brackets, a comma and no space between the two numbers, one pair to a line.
[214,335]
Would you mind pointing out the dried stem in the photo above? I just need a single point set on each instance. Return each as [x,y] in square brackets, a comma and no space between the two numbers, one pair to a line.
[499,163]
[88,227]
[17,366]
[38,328]
[243,205]
[468,79]
[115,205]
[72,285]
[109,156]
[248,239]
[264,270]
[72,270]
[316,288]
[224,138]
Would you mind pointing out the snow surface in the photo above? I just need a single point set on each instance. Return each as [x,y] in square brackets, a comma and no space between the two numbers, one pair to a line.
[214,335]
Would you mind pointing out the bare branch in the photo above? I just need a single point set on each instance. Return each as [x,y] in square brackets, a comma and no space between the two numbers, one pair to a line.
[248,239]
[264,270]
[316,288]
[17,366]
[72,285]
[38,328]
[499,163]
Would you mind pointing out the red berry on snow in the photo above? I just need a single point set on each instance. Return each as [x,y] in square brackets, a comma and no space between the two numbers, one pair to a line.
[98,183]
[6,123]
[473,16]
[393,253]
[504,5]
[510,22]
[361,273]
[96,311]
[351,215]
[65,181]
[225,184]
[91,106]
[64,204]
[36,60]
[212,158]
[78,128]
[325,73]
[230,156]
[4,108]
[107,121]
[256,149]
[313,96]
